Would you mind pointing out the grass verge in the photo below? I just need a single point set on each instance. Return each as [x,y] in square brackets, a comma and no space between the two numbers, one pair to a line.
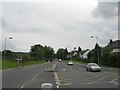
[77,61]
[12,64]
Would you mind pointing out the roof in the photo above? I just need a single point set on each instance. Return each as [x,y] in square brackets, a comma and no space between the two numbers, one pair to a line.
[114,44]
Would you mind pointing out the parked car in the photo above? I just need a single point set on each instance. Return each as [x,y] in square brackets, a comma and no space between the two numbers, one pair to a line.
[70,63]
[93,67]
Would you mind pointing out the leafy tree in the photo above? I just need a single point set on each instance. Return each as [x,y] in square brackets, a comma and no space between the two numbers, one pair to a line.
[79,50]
[8,54]
[37,51]
[65,53]
[113,59]
[48,52]
[60,53]
[90,56]
[97,53]
[40,52]
[111,41]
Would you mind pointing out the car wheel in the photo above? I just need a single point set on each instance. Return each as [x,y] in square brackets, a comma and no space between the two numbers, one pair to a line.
[86,69]
[91,69]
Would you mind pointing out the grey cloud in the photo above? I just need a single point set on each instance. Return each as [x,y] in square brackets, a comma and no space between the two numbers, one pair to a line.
[56,24]
[106,10]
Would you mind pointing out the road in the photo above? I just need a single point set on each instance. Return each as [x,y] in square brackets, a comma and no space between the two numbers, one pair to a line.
[27,77]
[64,76]
[76,76]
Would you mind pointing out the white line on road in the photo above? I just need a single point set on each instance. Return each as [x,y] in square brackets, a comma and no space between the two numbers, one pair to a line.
[113,81]
[57,86]
[57,80]
[101,79]
[21,87]
[37,75]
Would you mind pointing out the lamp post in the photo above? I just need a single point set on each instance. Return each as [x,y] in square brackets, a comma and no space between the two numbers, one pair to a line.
[5,49]
[97,47]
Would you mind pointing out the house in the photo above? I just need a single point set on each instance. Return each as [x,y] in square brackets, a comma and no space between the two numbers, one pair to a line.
[115,46]
[85,54]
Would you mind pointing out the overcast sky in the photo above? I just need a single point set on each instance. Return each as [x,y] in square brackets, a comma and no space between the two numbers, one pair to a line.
[59,24]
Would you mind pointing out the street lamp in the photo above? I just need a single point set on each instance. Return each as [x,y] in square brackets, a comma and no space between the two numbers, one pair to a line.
[5,49]
[97,47]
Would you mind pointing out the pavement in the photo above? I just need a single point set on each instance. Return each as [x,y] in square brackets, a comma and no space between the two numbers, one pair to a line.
[61,76]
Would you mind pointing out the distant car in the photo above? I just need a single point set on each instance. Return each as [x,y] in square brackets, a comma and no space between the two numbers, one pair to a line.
[93,67]
[70,63]
[60,60]
[46,85]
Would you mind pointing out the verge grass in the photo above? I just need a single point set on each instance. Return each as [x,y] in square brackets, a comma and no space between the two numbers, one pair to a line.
[13,64]
[76,61]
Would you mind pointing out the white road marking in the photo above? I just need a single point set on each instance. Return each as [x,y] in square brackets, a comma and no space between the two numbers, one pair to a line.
[57,86]
[100,79]
[67,83]
[57,80]
[80,69]
[83,75]
[113,81]
[37,75]
[21,87]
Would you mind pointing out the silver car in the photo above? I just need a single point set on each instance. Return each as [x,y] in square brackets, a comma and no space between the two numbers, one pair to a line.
[93,67]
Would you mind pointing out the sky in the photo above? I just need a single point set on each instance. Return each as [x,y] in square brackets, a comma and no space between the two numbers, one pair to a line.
[57,23]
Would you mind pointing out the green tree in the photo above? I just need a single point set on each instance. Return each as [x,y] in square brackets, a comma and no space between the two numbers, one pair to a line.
[48,52]
[8,54]
[65,53]
[40,52]
[90,56]
[37,51]
[79,51]
[113,59]
[111,41]
[60,53]
[97,54]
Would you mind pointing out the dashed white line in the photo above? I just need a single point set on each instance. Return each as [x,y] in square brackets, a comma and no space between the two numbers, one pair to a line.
[21,87]
[57,86]
[57,80]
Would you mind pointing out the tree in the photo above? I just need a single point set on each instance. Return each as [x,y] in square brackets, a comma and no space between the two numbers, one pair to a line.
[37,51]
[48,52]
[90,56]
[8,54]
[97,54]
[111,41]
[40,52]
[65,53]
[79,50]
[60,53]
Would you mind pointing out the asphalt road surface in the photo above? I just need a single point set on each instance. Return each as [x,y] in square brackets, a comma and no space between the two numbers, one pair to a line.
[76,76]
[64,76]
[27,77]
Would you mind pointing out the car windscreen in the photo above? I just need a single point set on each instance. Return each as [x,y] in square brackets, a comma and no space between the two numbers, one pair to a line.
[93,65]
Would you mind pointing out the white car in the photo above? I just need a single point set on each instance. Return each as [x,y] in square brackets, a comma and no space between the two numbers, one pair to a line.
[60,60]
[70,63]
[93,67]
